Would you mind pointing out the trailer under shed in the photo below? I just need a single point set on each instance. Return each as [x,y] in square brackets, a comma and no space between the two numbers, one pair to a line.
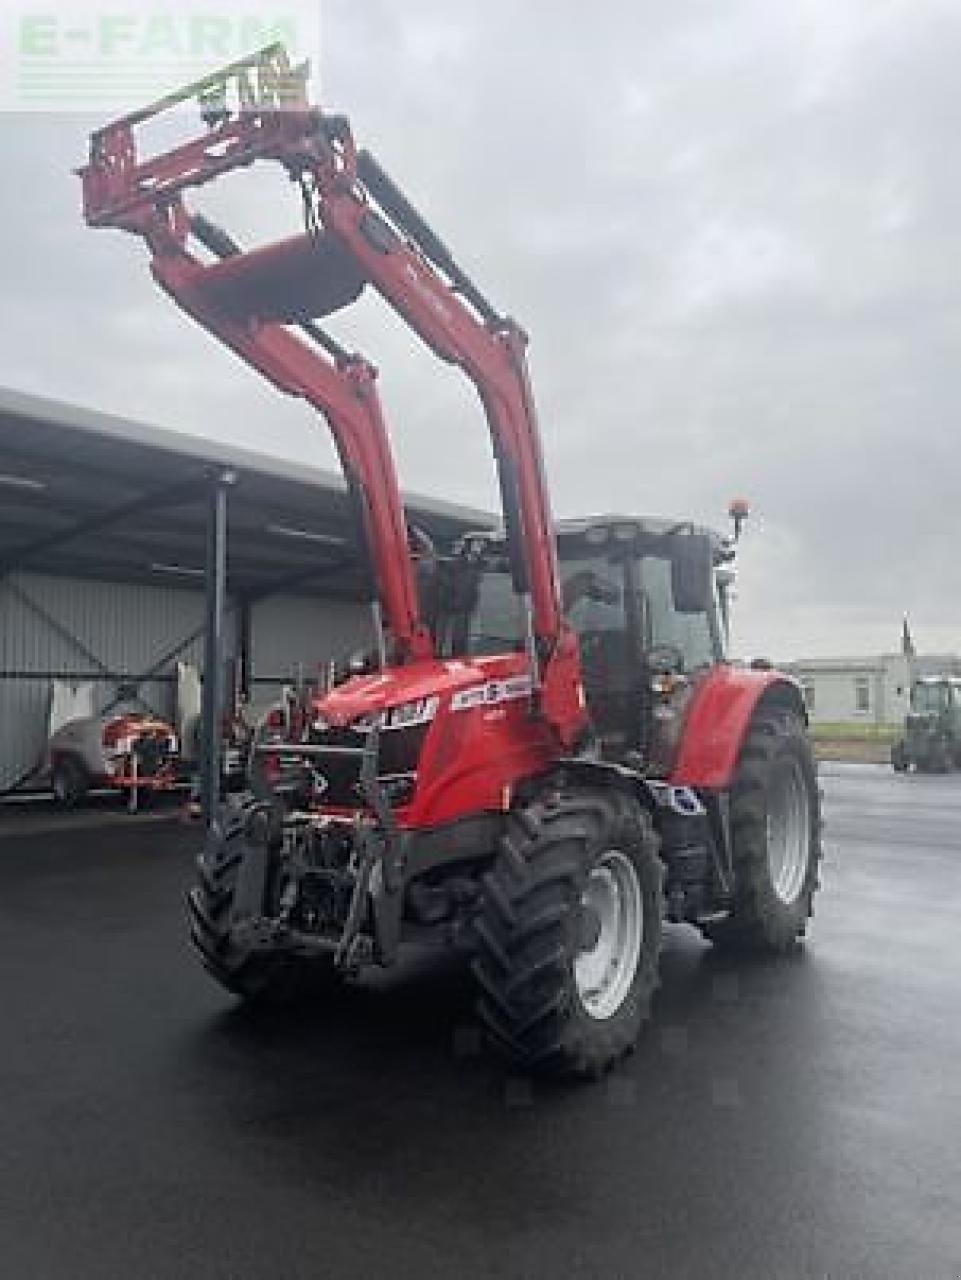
[125,548]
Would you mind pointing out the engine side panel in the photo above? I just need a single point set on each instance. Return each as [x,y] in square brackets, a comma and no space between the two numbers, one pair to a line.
[475,756]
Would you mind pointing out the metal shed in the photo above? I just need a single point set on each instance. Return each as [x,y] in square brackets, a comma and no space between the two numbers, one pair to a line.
[110,531]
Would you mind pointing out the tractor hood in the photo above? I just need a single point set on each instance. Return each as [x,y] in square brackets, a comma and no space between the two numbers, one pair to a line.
[434,678]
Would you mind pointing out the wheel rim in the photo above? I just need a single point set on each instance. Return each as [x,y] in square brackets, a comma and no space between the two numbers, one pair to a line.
[788,831]
[604,972]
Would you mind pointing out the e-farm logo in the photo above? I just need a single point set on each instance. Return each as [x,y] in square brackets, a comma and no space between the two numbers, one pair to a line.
[112,58]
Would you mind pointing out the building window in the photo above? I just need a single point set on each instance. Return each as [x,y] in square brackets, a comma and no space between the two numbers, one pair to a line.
[862,694]
[808,690]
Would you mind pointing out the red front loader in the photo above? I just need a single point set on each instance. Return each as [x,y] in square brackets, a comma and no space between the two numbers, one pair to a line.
[551,753]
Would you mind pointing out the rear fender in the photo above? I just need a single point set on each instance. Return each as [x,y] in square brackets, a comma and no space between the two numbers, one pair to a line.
[722,707]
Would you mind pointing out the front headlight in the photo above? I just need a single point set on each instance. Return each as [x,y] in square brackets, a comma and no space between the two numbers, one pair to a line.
[411,713]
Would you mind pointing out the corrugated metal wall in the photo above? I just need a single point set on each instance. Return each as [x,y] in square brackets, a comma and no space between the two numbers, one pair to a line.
[65,627]
[289,630]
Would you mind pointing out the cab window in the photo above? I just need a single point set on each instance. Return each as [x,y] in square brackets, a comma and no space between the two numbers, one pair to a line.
[690,633]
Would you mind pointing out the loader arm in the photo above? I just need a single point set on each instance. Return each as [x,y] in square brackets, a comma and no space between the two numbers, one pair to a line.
[243,299]
[344,391]
[357,221]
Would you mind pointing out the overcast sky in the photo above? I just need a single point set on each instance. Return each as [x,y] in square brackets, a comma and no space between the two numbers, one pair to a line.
[732,230]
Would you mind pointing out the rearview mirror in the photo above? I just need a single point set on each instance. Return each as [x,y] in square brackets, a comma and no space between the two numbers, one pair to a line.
[691,584]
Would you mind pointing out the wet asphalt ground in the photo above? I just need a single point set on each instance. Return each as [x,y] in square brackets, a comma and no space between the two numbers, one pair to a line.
[791,1120]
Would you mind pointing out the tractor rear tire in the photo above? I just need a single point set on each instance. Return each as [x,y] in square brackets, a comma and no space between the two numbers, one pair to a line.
[69,781]
[776,837]
[569,931]
[257,977]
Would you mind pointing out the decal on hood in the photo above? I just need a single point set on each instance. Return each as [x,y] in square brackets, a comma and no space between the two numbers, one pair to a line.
[491,693]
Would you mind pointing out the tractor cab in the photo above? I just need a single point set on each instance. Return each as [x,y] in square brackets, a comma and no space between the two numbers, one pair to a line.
[648,600]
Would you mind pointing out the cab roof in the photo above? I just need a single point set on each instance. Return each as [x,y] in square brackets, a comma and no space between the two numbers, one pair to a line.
[596,530]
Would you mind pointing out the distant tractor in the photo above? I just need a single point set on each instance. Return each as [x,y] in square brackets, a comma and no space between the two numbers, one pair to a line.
[932,728]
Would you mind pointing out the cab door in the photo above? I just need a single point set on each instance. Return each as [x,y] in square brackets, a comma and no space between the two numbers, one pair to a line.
[596,603]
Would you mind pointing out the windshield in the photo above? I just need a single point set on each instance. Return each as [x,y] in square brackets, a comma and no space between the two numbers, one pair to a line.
[593,595]
[929,697]
[597,591]
[479,612]
[496,623]
[691,634]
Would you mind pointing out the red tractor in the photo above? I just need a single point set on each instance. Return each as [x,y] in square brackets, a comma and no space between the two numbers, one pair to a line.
[552,753]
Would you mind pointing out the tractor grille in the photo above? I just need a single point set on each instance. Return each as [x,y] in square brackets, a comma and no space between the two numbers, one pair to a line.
[397,762]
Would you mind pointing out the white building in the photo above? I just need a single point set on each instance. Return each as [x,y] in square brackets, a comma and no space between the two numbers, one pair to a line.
[870,690]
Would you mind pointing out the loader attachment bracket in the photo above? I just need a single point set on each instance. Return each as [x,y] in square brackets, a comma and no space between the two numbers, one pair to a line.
[376,869]
[258,110]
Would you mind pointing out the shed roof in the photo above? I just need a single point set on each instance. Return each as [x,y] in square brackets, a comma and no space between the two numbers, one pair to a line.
[90,494]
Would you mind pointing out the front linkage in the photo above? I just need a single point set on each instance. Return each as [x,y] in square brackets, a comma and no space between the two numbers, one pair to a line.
[315,885]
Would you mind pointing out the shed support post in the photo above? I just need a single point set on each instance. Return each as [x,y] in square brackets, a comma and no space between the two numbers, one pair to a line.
[215,580]
[244,633]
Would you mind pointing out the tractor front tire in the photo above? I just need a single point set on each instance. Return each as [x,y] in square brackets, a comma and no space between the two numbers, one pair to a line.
[569,931]
[257,977]
[776,838]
